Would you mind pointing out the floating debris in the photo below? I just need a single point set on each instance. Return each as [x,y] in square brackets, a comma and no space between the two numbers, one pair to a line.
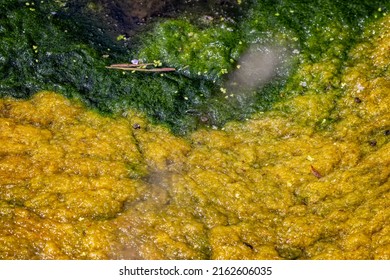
[140,67]
[315,172]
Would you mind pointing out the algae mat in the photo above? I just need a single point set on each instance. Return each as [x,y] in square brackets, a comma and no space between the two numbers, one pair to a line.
[307,182]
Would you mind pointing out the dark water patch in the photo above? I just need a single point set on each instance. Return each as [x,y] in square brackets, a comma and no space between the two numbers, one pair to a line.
[101,21]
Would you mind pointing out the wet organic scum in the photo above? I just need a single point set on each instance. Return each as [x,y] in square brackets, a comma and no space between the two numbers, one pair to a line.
[303,181]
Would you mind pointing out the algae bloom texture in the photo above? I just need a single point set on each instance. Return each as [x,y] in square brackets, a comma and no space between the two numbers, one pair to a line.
[308,179]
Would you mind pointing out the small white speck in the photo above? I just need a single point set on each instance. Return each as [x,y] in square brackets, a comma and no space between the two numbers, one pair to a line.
[359,88]
[309,158]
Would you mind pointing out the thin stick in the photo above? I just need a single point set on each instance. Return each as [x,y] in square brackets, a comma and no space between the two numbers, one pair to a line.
[142,69]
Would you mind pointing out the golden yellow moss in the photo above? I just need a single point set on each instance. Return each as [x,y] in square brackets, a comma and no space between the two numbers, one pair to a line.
[60,168]
[310,185]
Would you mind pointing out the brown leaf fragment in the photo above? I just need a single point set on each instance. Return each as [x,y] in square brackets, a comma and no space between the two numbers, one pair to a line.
[315,172]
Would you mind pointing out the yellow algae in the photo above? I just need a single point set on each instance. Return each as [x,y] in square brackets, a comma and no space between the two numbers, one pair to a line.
[310,182]
[160,149]
[62,167]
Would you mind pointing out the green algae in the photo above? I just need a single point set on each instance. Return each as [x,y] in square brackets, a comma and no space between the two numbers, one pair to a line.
[41,49]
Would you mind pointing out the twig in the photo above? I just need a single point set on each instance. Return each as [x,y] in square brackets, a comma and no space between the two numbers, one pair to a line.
[139,67]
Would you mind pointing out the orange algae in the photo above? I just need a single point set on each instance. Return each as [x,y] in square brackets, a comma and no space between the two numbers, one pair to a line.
[78,185]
